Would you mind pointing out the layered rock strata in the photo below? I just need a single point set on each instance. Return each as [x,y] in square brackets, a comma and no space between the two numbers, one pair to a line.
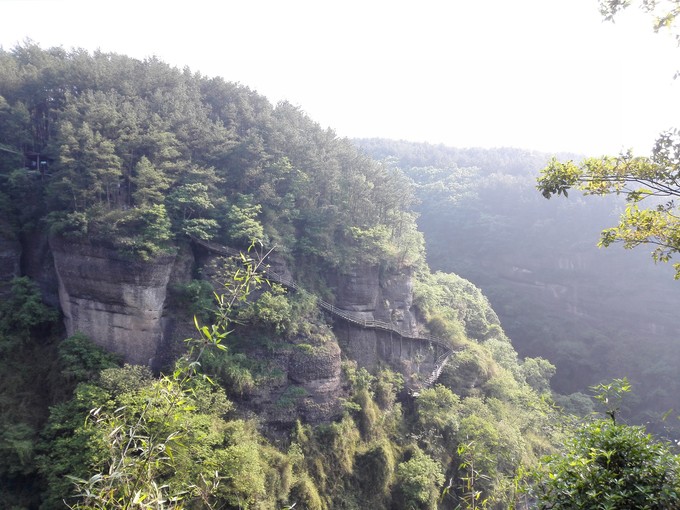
[387,298]
[116,302]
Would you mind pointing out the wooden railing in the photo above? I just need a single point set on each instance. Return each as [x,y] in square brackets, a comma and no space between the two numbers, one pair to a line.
[350,316]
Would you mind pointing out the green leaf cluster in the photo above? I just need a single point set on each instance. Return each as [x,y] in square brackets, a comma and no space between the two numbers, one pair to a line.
[608,465]
[23,311]
[648,179]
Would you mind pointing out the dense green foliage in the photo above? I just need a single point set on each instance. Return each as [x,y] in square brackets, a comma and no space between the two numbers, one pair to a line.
[38,371]
[608,465]
[136,154]
[26,332]
[127,436]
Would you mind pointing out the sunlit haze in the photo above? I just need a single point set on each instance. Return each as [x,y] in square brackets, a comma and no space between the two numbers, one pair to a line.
[533,74]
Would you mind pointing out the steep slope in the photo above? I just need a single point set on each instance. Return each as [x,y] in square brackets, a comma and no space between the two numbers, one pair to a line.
[596,314]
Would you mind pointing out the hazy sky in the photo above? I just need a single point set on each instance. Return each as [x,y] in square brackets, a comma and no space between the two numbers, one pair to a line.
[537,74]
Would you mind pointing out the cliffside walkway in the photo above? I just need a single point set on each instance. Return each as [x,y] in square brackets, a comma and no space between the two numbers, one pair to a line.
[350,316]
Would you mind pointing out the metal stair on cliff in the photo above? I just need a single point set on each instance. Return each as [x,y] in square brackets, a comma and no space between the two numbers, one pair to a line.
[347,315]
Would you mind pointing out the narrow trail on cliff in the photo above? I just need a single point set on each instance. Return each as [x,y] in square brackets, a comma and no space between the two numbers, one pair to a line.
[352,317]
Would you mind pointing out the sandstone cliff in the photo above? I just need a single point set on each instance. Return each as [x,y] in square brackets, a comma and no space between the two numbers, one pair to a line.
[388,298]
[121,305]
[116,302]
[301,378]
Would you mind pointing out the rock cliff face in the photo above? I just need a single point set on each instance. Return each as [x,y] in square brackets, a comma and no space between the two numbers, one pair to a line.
[308,384]
[395,300]
[115,302]
[303,378]
[387,298]
[38,263]
[120,305]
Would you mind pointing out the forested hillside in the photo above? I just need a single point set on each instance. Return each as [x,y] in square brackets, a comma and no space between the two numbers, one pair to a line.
[114,173]
[134,153]
[595,313]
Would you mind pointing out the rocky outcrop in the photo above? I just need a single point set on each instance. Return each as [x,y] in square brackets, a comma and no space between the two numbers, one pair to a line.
[116,302]
[316,370]
[358,290]
[386,297]
[119,304]
[176,328]
[302,381]
[395,300]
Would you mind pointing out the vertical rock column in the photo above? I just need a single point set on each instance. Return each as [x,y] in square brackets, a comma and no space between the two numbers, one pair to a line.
[357,291]
[116,302]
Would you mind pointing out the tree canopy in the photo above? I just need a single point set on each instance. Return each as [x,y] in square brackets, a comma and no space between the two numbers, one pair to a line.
[610,465]
[138,154]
